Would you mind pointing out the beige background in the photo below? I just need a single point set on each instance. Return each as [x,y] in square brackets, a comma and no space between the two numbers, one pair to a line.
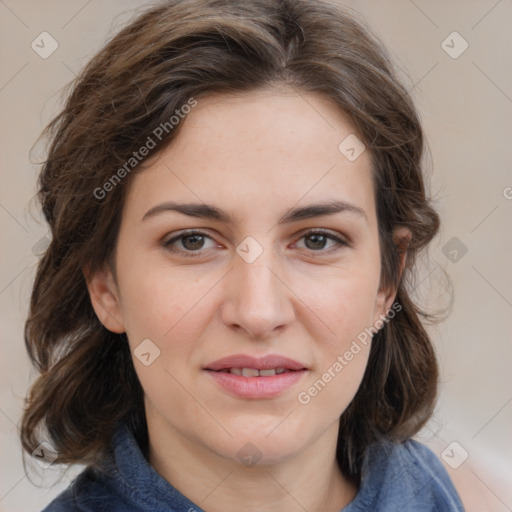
[466,106]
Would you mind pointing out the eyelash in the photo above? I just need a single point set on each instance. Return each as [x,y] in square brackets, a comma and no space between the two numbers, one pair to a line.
[193,254]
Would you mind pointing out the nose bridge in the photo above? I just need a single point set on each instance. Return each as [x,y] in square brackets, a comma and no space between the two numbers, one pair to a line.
[258,286]
[257,281]
[257,299]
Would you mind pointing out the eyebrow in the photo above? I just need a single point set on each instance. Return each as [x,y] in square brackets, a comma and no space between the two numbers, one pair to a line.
[206,211]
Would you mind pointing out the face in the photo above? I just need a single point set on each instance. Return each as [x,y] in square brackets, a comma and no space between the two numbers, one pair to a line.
[257,288]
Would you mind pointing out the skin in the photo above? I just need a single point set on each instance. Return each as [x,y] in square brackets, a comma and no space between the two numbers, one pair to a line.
[255,155]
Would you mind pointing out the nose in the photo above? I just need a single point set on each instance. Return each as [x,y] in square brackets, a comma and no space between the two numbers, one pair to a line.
[258,299]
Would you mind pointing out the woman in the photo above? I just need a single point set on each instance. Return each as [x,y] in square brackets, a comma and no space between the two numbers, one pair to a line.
[222,319]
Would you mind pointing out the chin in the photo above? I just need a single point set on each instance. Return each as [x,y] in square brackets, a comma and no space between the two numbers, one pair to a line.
[267,441]
[259,452]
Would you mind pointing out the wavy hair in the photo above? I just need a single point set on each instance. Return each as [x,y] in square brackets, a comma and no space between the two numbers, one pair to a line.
[172,52]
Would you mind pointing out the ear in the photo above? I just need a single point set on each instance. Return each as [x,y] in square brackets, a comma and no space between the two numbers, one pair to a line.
[105,298]
[401,238]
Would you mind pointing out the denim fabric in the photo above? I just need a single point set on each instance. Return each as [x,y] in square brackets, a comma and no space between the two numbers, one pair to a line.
[404,477]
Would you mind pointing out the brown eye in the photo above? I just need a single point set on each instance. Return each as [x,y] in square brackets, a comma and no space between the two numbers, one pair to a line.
[317,240]
[191,242]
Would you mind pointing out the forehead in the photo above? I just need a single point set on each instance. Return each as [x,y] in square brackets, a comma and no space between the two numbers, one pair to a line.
[261,150]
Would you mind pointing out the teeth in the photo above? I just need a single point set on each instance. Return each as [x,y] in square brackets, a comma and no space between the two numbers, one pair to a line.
[254,372]
[250,372]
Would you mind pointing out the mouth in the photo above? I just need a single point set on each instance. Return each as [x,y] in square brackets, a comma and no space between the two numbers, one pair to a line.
[256,378]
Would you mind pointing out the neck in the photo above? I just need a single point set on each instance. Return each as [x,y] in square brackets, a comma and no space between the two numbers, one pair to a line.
[311,480]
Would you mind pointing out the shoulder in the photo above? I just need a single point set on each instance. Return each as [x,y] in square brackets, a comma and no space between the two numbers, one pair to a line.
[417,471]
[64,502]
[89,492]
[407,475]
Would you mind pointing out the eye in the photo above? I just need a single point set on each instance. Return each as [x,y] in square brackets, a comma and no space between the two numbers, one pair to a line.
[317,239]
[192,242]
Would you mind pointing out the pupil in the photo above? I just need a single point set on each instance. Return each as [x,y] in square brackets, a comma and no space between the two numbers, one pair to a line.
[319,239]
[194,244]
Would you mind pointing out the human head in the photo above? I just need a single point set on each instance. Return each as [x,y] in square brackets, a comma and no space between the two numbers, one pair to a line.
[140,81]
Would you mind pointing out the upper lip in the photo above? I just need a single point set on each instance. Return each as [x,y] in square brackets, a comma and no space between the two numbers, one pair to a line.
[259,363]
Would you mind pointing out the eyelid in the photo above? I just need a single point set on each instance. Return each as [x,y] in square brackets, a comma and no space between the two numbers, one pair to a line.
[340,241]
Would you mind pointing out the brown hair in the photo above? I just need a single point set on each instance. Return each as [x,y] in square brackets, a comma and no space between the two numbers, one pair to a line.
[171,53]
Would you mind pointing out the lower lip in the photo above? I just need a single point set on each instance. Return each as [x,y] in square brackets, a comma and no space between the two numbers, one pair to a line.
[256,387]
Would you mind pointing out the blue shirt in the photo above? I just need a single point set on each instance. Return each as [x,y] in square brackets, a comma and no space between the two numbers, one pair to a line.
[396,477]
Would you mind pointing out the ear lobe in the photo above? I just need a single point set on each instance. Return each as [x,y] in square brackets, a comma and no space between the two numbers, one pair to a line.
[104,298]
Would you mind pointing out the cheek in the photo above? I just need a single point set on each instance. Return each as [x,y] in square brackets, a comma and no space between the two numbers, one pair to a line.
[159,300]
[345,303]
[331,390]
[346,307]
[167,307]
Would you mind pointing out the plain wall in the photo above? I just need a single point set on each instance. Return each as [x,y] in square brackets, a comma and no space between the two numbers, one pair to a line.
[466,107]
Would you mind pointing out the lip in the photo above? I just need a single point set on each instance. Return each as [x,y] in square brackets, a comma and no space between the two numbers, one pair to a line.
[262,387]
[260,363]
